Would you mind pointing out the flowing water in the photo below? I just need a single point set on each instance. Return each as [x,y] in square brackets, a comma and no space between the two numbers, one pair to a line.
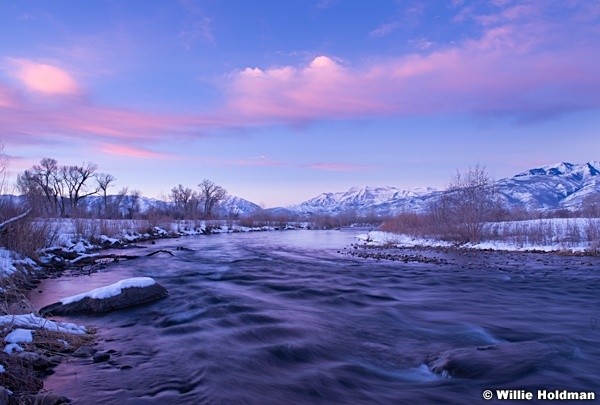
[283,318]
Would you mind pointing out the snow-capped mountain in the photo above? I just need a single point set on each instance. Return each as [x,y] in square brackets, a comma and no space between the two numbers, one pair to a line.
[563,185]
[237,206]
[377,200]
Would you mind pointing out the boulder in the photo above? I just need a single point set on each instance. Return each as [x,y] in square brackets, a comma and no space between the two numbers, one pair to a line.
[125,293]
[47,398]
[494,361]
[85,351]
[36,360]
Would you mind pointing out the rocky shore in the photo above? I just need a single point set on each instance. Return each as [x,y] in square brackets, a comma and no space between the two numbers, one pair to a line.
[510,263]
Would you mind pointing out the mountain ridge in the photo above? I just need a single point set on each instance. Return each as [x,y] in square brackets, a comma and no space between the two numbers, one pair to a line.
[550,187]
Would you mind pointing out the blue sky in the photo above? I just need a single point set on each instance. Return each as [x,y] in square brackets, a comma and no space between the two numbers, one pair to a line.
[278,101]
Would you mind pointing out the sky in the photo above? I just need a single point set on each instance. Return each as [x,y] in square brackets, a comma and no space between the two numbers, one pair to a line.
[279,101]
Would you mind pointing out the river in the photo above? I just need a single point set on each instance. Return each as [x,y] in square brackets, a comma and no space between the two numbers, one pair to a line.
[283,318]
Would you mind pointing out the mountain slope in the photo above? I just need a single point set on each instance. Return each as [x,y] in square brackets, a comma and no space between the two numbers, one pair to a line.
[362,201]
[563,185]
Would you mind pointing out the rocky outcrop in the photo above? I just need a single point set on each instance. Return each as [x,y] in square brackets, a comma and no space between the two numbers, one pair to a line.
[493,361]
[128,297]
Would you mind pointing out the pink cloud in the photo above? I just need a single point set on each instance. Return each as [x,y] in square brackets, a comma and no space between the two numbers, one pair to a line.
[8,98]
[523,64]
[525,70]
[43,78]
[322,88]
[26,120]
[132,152]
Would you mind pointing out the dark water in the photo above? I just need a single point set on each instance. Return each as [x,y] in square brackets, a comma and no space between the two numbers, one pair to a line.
[282,318]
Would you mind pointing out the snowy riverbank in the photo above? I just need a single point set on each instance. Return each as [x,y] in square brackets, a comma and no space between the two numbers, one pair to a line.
[559,235]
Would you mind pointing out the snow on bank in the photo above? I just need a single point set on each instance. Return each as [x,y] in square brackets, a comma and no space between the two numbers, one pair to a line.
[23,327]
[386,238]
[19,335]
[6,263]
[12,262]
[30,321]
[110,290]
[543,235]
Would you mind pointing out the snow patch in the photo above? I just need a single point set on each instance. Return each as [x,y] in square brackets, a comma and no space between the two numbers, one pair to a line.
[6,263]
[35,322]
[19,336]
[110,290]
[385,238]
[12,347]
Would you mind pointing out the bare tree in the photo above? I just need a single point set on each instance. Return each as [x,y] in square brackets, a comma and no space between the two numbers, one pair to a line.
[4,161]
[116,204]
[58,184]
[75,179]
[46,178]
[468,202]
[132,203]
[104,180]
[210,196]
[29,188]
[184,198]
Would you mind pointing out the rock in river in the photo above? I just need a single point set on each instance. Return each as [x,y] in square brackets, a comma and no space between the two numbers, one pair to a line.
[123,294]
[494,361]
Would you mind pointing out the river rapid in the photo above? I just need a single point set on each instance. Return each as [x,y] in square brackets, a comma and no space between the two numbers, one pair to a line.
[284,318]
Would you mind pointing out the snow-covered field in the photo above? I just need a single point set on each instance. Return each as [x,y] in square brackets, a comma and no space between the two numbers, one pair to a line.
[546,235]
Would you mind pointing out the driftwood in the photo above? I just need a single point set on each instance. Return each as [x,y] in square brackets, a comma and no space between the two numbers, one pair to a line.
[13,219]
[100,259]
[160,251]
[85,260]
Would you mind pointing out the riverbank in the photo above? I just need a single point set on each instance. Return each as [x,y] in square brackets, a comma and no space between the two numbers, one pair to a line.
[558,244]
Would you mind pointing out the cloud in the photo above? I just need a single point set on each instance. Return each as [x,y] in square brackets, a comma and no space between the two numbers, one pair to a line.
[132,152]
[196,25]
[528,70]
[421,43]
[338,167]
[43,78]
[321,89]
[385,29]
[8,97]
[524,64]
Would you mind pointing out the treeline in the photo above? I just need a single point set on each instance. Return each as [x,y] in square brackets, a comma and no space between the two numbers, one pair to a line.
[53,190]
